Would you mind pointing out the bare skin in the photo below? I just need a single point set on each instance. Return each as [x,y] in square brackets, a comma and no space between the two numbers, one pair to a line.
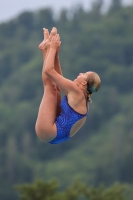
[50,95]
[53,80]
[44,47]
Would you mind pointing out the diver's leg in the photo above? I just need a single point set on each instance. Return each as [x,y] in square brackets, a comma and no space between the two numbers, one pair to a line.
[45,126]
[45,47]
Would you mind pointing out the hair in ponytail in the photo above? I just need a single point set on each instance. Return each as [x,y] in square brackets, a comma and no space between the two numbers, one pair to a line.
[89,97]
[93,85]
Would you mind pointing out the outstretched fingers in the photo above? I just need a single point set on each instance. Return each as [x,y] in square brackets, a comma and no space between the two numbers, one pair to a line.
[55,42]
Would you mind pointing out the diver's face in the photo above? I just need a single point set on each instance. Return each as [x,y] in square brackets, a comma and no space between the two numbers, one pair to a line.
[83,76]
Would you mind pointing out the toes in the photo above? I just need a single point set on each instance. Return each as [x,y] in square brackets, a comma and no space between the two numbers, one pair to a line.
[46,33]
[53,32]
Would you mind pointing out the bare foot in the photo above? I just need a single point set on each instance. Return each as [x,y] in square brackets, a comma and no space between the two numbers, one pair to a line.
[43,45]
[53,32]
[45,33]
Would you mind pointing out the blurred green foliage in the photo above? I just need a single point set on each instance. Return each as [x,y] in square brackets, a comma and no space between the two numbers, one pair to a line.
[41,190]
[102,151]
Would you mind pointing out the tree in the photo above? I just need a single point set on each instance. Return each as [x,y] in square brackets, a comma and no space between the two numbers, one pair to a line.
[41,190]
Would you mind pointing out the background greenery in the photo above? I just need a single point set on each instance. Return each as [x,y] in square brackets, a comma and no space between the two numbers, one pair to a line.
[41,190]
[102,151]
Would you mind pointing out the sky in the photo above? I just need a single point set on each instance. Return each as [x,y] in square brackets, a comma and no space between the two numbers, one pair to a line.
[10,9]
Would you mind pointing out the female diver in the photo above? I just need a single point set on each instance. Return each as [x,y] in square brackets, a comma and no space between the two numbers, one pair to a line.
[59,119]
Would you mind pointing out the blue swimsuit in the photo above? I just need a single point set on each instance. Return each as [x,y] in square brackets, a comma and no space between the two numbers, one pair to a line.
[64,122]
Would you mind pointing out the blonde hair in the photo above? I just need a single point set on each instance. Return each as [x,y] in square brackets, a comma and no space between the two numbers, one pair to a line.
[93,84]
